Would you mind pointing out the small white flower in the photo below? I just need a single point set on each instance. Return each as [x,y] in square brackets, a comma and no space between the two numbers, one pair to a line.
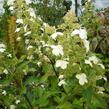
[54,35]
[88,62]
[18,39]
[100,90]
[17,101]
[12,106]
[62,82]
[4,92]
[29,47]
[27,41]
[45,24]
[25,28]
[86,44]
[61,63]
[27,33]
[42,85]
[102,66]
[61,76]
[11,8]
[82,78]
[17,29]
[28,2]
[57,50]
[75,32]
[81,32]
[39,63]
[2,48]
[32,13]
[5,71]
[19,21]
[9,55]
[92,60]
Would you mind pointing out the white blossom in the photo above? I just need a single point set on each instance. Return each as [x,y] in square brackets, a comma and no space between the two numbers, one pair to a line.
[28,2]
[18,39]
[61,76]
[5,71]
[86,44]
[17,101]
[9,55]
[102,66]
[2,48]
[82,78]
[81,32]
[29,47]
[25,28]
[27,41]
[92,60]
[27,33]
[17,29]
[39,63]
[4,92]
[57,50]
[12,106]
[100,90]
[88,62]
[11,8]
[62,82]
[32,12]
[19,21]
[83,35]
[61,63]
[54,35]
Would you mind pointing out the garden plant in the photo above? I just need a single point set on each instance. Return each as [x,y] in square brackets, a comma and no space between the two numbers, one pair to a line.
[49,66]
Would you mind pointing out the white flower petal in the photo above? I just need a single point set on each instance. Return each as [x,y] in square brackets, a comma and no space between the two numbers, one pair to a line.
[75,32]
[27,33]
[32,12]
[62,82]
[82,78]
[19,21]
[54,35]
[5,71]
[83,34]
[61,76]
[17,29]
[57,50]
[61,63]
[12,106]
[86,44]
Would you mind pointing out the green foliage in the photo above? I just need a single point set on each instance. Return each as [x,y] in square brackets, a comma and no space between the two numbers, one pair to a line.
[48,68]
[51,11]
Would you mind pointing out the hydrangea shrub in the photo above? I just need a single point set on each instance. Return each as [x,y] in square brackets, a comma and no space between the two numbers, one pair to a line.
[49,67]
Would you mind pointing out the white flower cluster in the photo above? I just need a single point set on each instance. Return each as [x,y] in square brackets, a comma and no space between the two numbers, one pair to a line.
[54,35]
[61,64]
[61,80]
[94,60]
[83,35]
[82,78]
[57,50]
[2,48]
